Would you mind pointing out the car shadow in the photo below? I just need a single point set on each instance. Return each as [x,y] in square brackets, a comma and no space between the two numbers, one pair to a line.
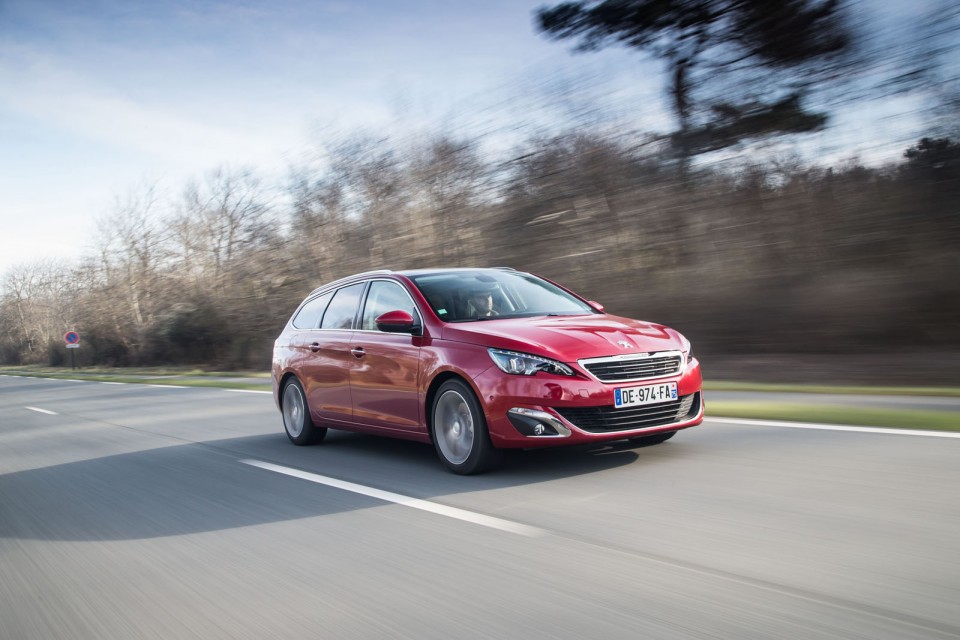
[202,487]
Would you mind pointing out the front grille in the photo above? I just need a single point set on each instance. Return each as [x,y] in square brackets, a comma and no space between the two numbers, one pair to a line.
[639,368]
[608,419]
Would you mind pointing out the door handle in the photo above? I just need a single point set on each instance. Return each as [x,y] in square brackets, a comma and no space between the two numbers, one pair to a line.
[315,347]
[358,352]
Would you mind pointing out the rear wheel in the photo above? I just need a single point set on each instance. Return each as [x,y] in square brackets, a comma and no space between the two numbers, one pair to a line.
[459,430]
[296,416]
[646,441]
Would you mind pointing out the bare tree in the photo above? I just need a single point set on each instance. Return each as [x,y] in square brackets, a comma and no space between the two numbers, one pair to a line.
[38,300]
[319,242]
[369,173]
[219,218]
[132,247]
[446,178]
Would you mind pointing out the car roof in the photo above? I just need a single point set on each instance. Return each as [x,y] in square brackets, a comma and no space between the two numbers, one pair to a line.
[409,273]
[433,272]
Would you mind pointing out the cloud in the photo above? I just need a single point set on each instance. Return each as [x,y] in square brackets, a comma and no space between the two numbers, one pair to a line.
[45,88]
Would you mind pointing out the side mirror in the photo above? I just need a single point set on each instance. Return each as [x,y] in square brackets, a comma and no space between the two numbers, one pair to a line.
[398,322]
[596,305]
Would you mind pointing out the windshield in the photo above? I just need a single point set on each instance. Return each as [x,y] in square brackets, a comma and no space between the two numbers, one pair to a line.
[463,296]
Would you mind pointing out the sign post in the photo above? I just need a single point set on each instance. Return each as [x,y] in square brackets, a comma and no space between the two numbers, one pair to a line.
[72,338]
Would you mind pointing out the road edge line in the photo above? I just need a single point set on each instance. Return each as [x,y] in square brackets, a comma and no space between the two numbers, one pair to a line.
[835,427]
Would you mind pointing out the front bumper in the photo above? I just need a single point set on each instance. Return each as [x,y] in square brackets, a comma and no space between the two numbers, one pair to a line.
[548,410]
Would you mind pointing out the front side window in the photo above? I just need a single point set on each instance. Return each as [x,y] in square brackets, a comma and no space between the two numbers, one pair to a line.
[383,297]
[343,308]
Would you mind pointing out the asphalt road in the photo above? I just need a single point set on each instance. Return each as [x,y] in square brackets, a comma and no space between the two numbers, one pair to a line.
[130,511]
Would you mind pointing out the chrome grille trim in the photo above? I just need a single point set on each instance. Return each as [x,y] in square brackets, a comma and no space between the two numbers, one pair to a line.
[607,419]
[631,367]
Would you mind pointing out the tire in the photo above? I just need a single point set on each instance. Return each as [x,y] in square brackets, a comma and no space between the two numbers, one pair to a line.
[459,430]
[297,422]
[646,441]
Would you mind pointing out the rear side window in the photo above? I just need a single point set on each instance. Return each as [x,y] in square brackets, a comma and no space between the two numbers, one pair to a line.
[309,315]
[343,308]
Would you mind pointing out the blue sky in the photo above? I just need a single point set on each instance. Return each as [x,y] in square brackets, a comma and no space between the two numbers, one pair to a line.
[99,96]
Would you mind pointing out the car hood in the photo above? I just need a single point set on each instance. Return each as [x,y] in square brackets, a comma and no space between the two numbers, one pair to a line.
[568,338]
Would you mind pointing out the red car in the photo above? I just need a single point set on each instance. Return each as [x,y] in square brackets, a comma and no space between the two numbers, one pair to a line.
[475,361]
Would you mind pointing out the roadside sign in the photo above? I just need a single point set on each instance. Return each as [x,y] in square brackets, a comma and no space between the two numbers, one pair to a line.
[72,338]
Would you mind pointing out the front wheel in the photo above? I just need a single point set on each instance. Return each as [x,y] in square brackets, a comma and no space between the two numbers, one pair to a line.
[296,416]
[646,441]
[459,430]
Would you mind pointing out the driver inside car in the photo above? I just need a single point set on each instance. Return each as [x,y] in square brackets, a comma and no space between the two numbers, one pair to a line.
[480,304]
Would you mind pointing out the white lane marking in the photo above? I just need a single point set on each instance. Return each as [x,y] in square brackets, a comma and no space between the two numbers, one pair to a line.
[838,427]
[166,386]
[248,391]
[69,380]
[103,382]
[407,501]
[38,410]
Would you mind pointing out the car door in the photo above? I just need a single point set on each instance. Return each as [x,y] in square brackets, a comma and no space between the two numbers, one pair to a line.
[294,345]
[327,361]
[384,384]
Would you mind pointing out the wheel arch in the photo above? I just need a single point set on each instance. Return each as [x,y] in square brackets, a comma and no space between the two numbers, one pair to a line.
[435,385]
[282,384]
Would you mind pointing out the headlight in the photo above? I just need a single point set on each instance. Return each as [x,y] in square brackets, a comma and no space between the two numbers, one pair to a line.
[687,350]
[524,364]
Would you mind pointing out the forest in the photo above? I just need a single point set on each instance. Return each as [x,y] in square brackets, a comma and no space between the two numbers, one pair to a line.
[747,257]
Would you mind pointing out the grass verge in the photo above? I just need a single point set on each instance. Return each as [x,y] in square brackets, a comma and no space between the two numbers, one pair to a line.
[824,414]
[265,385]
[134,372]
[948,392]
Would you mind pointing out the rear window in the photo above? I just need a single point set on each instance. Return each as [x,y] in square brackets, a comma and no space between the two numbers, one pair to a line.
[309,315]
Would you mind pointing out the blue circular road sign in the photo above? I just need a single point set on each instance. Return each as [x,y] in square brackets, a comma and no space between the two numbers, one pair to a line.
[71,337]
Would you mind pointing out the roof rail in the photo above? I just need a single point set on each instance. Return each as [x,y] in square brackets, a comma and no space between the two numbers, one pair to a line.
[350,277]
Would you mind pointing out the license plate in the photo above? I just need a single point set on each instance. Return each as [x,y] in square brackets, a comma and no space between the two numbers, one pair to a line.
[650,394]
